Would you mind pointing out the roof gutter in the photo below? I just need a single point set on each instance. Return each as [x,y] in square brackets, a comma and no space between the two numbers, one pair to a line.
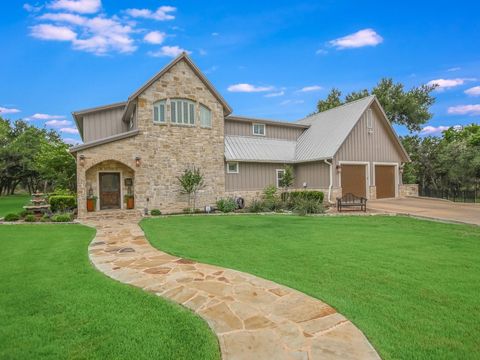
[331,180]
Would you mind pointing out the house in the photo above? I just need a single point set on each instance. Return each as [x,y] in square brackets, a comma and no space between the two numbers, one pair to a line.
[177,120]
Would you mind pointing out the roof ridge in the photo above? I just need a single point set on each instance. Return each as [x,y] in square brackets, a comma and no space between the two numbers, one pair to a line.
[258,138]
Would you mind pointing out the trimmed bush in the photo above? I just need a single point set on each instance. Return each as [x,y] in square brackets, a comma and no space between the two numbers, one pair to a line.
[11,217]
[307,194]
[62,202]
[155,212]
[226,205]
[305,206]
[30,218]
[61,218]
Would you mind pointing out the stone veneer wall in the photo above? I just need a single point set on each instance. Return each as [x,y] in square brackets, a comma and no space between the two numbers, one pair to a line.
[166,150]
[408,190]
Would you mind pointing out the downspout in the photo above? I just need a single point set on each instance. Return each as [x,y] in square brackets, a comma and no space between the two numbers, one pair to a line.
[331,180]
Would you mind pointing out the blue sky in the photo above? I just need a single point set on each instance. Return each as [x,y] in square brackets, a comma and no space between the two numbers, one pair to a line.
[271,59]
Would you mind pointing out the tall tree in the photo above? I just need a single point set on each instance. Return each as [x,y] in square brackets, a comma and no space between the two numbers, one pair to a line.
[409,108]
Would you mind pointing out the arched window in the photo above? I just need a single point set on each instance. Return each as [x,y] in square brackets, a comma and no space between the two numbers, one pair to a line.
[159,113]
[205,117]
[182,112]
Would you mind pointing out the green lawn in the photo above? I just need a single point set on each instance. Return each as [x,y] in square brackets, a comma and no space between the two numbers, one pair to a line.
[412,286]
[55,305]
[13,204]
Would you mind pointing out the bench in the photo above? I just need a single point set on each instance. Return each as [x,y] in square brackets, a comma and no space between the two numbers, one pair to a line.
[351,200]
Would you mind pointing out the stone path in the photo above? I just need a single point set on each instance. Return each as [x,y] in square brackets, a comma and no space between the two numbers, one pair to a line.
[252,317]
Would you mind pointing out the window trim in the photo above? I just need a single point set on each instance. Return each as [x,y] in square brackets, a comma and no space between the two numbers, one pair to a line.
[157,104]
[277,179]
[237,167]
[264,129]
[200,116]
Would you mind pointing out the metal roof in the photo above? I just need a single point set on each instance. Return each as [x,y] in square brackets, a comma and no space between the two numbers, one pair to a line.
[328,130]
[259,149]
[266,121]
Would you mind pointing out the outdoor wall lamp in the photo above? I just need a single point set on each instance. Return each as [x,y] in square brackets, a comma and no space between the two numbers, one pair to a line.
[339,168]
[137,161]
[82,160]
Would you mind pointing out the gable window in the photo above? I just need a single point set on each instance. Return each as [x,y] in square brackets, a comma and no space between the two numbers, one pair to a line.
[205,117]
[280,173]
[159,112]
[182,112]
[232,167]
[259,129]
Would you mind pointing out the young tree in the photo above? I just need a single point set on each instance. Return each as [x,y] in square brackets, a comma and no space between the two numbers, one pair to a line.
[191,181]
[409,108]
[287,179]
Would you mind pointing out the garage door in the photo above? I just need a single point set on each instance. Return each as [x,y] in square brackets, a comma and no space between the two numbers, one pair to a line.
[385,181]
[353,180]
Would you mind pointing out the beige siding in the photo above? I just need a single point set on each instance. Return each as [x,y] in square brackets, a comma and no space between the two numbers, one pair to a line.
[377,146]
[102,124]
[242,128]
[252,176]
[315,174]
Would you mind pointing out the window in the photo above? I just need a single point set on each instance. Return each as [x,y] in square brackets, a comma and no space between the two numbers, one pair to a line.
[259,129]
[232,168]
[159,112]
[205,117]
[280,173]
[182,112]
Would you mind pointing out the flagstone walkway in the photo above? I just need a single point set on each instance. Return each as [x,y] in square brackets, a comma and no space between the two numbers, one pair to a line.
[253,318]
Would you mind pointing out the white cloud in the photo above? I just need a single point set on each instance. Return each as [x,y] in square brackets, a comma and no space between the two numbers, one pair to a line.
[365,37]
[69,130]
[163,13]
[291,102]
[464,109]
[454,69]
[38,116]
[71,141]
[155,37]
[64,17]
[248,88]
[4,110]
[310,88]
[215,34]
[431,130]
[211,69]
[52,32]
[170,51]
[474,91]
[276,94]
[58,123]
[32,8]
[443,84]
[78,6]
[321,52]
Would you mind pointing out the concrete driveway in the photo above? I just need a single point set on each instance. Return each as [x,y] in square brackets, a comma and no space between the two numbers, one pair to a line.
[429,208]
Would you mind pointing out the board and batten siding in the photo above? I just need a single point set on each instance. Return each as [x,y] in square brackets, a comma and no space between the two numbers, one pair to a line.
[102,124]
[244,128]
[252,176]
[315,174]
[364,146]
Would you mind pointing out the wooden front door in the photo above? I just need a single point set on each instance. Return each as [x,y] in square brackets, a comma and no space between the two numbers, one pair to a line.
[385,181]
[354,180]
[109,191]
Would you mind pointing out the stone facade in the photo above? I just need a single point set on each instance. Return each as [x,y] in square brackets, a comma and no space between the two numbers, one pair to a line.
[164,150]
[408,190]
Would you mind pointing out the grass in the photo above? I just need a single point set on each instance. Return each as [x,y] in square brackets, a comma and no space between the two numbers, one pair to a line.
[55,305]
[411,286]
[12,204]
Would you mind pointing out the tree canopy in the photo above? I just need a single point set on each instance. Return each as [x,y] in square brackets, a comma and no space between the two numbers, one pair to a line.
[36,159]
[409,108]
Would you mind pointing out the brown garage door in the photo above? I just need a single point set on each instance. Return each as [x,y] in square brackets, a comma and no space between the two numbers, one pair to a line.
[353,180]
[385,181]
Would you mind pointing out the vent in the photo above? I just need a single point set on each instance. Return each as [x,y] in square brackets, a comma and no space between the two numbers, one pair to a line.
[369,116]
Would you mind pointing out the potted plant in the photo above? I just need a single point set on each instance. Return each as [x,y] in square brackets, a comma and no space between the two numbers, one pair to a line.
[91,203]
[129,199]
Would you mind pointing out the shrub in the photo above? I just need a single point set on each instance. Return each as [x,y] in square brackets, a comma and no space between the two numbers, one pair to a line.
[30,218]
[290,198]
[11,217]
[226,205]
[62,218]
[62,202]
[270,192]
[45,218]
[256,206]
[24,213]
[305,206]
[155,212]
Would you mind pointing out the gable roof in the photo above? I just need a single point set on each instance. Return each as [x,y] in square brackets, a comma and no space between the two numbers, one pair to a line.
[259,149]
[329,130]
[182,57]
[79,114]
[266,121]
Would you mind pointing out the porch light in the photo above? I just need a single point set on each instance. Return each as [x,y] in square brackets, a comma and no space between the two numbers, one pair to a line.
[138,161]
[82,160]
[339,168]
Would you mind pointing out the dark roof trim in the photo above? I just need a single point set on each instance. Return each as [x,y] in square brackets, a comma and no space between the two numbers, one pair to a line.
[266,121]
[100,108]
[105,140]
[183,56]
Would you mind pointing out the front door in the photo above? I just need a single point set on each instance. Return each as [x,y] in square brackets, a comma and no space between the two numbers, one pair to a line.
[109,191]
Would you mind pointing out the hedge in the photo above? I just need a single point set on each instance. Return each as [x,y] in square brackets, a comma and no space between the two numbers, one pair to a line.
[292,196]
[62,202]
